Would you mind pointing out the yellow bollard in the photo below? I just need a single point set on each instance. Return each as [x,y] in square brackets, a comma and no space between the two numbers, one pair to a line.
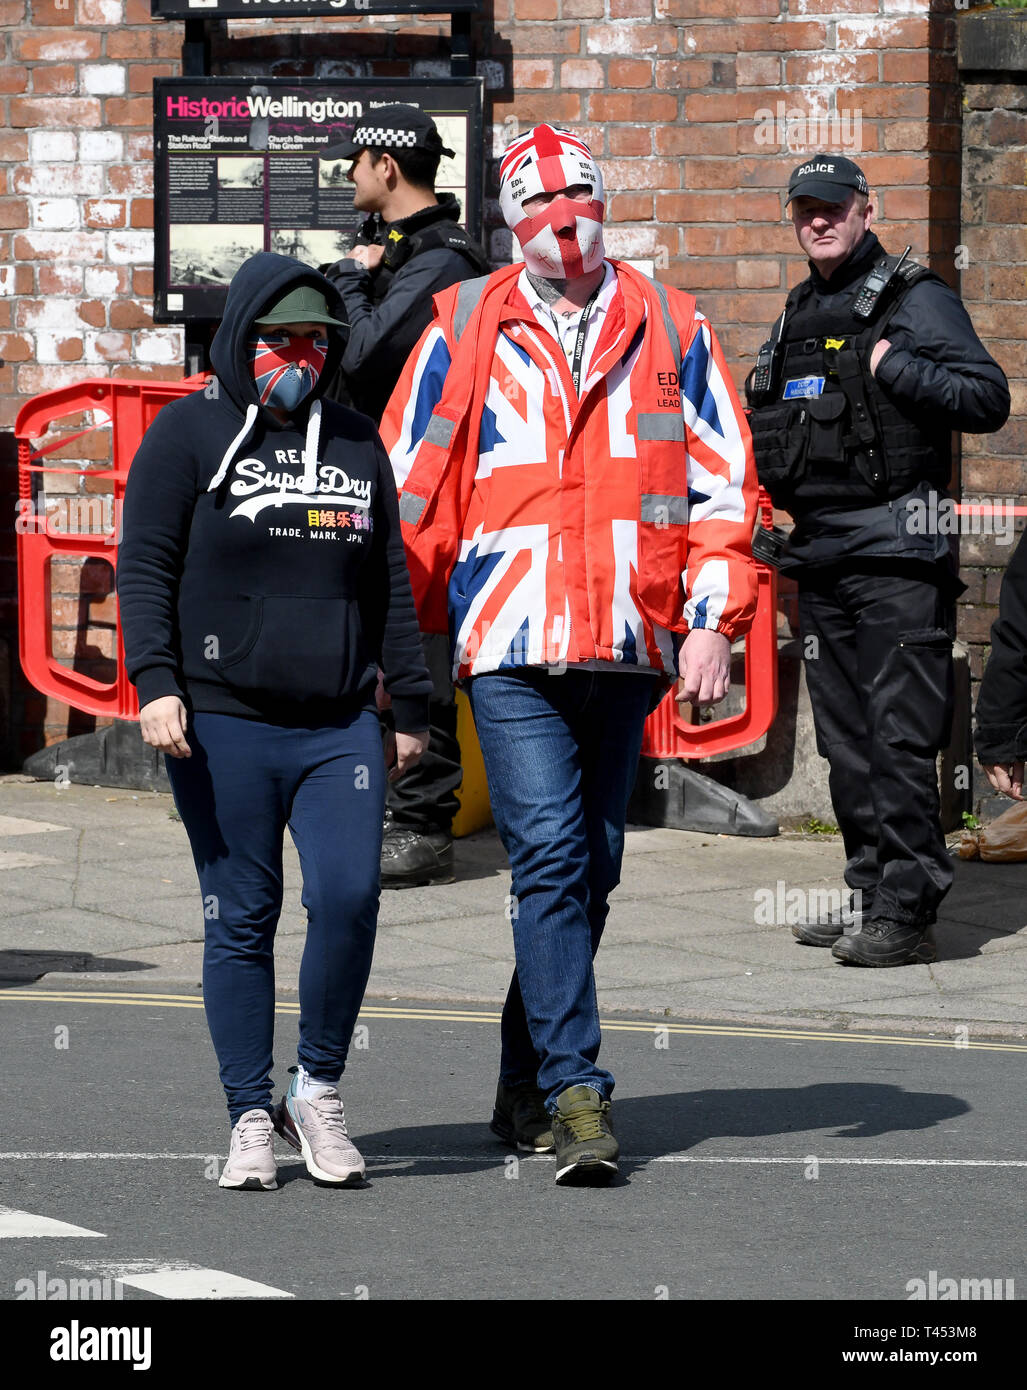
[473,794]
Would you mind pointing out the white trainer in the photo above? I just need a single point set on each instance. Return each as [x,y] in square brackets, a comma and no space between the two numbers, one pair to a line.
[251,1158]
[317,1127]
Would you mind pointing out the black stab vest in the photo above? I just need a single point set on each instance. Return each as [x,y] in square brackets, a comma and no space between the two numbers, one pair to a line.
[849,445]
[402,247]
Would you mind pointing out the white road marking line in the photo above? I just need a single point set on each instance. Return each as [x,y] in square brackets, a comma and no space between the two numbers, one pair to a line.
[385,1159]
[21,1225]
[14,859]
[177,1279]
[15,825]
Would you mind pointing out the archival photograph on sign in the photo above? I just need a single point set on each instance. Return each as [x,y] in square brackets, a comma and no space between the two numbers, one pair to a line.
[310,245]
[237,170]
[240,173]
[331,173]
[452,173]
[208,255]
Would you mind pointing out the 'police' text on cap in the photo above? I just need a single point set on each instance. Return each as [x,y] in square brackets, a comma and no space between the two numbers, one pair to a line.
[830,177]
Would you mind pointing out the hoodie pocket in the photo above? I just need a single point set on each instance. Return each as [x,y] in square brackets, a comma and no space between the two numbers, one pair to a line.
[288,647]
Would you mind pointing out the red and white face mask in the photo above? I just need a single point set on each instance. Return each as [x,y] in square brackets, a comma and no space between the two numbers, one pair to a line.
[564,239]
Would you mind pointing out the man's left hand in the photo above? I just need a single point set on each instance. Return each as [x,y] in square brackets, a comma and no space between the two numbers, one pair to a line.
[369,257]
[704,663]
[880,348]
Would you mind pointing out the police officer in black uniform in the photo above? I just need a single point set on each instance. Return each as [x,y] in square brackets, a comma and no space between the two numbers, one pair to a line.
[409,247]
[872,365]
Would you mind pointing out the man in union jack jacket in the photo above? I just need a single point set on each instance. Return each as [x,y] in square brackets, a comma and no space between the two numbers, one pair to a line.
[577,499]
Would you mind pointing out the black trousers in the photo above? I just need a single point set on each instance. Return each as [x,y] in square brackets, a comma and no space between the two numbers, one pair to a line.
[425,797]
[877,647]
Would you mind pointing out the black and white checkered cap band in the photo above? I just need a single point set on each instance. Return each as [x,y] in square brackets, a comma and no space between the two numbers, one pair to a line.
[380,135]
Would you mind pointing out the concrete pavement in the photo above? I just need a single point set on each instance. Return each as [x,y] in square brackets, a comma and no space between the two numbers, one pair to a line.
[101,881]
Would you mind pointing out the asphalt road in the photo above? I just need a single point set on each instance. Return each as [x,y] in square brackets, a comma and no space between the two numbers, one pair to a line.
[757,1165]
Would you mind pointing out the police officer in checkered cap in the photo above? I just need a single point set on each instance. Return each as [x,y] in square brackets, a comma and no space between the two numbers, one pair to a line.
[409,248]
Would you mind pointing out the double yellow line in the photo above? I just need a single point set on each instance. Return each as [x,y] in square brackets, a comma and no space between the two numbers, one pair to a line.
[459,1015]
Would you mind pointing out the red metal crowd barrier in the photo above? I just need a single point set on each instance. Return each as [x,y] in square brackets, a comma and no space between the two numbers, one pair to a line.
[128,407]
[668,735]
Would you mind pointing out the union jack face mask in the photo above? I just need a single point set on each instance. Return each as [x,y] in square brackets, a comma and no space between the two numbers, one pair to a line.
[547,160]
[285,369]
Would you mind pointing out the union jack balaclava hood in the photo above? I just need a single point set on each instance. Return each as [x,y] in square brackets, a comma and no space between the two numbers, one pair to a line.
[542,161]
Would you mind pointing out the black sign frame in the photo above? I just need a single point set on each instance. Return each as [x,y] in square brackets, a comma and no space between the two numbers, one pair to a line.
[191,289]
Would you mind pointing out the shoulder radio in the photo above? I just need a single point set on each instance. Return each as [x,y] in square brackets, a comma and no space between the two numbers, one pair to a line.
[875,286]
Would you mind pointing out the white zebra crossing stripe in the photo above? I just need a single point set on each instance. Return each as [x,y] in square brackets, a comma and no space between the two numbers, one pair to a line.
[177,1279]
[22,1225]
[201,1283]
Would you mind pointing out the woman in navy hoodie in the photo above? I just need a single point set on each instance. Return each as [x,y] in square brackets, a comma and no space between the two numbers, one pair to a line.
[262,584]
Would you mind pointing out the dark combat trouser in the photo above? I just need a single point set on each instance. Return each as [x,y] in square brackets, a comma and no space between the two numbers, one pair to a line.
[877,646]
[424,799]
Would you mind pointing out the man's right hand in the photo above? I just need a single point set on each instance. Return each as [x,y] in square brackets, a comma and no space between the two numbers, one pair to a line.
[163,724]
[1006,778]
[369,257]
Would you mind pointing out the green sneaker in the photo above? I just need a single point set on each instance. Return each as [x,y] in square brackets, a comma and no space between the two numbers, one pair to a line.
[521,1119]
[586,1151]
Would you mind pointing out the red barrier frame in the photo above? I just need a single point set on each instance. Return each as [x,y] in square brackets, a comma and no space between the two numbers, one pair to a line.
[130,407]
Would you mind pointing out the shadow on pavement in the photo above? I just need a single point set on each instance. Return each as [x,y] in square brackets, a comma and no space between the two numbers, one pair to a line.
[24,967]
[985,901]
[479,856]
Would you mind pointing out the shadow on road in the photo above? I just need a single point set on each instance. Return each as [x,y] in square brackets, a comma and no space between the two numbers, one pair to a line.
[662,1124]
[24,967]
[853,1110]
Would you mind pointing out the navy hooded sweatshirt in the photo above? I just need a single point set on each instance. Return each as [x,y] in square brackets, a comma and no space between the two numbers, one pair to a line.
[261,570]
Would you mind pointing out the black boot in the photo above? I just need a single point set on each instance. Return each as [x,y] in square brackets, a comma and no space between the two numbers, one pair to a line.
[886,942]
[414,856]
[828,927]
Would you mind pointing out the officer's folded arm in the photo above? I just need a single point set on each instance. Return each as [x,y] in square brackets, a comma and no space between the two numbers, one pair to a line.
[936,362]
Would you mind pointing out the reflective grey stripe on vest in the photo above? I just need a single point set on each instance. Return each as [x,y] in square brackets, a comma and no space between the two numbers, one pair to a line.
[661,510]
[670,326]
[411,507]
[666,426]
[439,431]
[467,297]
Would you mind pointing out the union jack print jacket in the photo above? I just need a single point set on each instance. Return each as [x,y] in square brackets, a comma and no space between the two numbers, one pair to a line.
[544,529]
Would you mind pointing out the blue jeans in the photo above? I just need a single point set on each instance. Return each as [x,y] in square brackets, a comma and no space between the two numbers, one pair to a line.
[243,784]
[561,754]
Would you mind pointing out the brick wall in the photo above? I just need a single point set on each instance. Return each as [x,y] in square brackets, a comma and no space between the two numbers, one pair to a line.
[697,108]
[994,286]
